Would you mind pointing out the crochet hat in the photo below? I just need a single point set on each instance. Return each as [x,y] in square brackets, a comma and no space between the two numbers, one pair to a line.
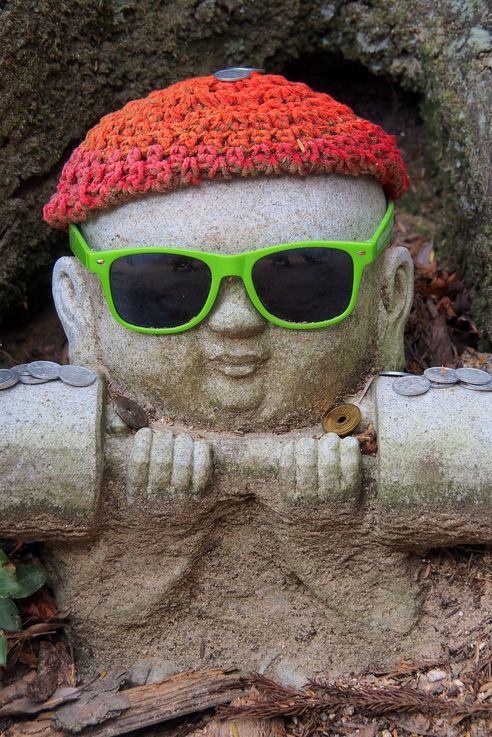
[206,128]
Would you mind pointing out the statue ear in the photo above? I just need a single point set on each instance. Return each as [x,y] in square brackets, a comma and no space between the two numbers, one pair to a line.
[74,305]
[396,297]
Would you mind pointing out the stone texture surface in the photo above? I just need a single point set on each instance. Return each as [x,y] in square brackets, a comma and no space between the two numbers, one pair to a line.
[51,460]
[434,466]
[276,558]
[236,369]
[64,64]
[239,574]
[249,565]
[287,584]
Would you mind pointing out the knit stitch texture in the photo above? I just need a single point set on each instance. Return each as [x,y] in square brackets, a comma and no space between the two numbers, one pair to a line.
[204,129]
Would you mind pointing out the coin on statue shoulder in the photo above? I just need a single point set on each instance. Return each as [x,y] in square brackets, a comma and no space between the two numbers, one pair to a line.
[77,375]
[8,378]
[411,386]
[47,370]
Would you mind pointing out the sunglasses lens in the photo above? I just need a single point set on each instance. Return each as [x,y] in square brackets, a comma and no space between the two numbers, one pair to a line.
[159,290]
[304,285]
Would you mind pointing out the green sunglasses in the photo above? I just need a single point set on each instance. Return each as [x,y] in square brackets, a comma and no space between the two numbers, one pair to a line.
[294,285]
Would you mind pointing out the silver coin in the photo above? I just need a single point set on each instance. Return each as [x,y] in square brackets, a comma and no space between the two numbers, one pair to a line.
[48,370]
[411,386]
[435,385]
[21,369]
[441,375]
[234,73]
[28,379]
[478,387]
[394,373]
[77,375]
[473,376]
[8,378]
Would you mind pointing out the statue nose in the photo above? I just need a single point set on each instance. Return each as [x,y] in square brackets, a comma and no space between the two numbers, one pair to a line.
[233,314]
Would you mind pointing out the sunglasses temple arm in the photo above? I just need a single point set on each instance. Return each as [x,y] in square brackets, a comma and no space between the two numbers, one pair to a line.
[78,246]
[382,236]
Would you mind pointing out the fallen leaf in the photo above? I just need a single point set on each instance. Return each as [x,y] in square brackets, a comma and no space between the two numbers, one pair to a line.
[39,606]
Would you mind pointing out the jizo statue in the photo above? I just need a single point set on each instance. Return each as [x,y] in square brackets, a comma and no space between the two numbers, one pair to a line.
[233,275]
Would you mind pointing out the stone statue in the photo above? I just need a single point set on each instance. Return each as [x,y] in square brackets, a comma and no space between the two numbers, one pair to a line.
[232,529]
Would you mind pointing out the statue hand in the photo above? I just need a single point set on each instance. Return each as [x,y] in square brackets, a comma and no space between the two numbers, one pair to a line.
[164,465]
[324,469]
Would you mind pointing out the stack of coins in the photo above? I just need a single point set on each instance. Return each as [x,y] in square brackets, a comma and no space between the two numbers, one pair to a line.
[40,372]
[440,377]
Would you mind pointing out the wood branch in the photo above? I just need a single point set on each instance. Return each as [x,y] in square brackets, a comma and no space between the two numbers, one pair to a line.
[186,693]
[242,727]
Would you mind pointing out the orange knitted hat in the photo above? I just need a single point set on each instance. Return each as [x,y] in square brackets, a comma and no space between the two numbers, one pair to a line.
[204,128]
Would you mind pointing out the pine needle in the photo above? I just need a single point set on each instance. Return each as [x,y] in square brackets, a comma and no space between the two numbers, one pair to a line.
[274,700]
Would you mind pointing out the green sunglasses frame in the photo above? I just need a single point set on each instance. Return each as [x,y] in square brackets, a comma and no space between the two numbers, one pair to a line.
[222,266]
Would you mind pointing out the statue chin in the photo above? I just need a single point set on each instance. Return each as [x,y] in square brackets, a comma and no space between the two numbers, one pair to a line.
[244,394]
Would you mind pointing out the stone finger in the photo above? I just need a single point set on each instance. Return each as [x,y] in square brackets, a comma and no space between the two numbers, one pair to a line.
[350,467]
[182,464]
[161,463]
[306,467]
[287,470]
[138,465]
[202,466]
[328,465]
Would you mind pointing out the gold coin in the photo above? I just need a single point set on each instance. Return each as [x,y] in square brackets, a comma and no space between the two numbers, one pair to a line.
[342,419]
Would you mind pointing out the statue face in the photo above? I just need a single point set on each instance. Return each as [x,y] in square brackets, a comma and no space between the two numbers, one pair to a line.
[235,370]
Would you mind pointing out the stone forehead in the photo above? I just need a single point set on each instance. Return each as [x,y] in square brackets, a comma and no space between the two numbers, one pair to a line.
[240,215]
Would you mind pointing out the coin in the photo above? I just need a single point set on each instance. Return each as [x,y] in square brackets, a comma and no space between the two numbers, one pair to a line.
[77,375]
[48,370]
[473,376]
[441,375]
[8,378]
[411,386]
[435,385]
[28,379]
[130,412]
[478,387]
[394,373]
[342,419]
[21,369]
[234,73]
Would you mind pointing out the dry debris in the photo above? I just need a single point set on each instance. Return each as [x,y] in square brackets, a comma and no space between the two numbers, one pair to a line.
[99,709]
[440,331]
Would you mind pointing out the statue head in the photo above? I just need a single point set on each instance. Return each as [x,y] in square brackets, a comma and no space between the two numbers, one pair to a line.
[277,164]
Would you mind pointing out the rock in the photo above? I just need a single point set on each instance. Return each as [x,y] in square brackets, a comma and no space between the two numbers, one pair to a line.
[161,670]
[436,675]
[139,672]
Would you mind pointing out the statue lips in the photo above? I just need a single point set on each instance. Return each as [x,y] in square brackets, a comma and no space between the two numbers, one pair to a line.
[237,365]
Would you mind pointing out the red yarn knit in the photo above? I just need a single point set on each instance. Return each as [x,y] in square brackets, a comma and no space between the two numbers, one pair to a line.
[203,129]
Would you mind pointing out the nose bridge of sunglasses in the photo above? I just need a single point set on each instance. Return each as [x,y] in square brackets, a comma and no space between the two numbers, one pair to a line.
[230,267]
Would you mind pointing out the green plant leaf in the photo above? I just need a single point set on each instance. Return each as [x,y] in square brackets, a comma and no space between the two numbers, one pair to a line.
[3,558]
[30,578]
[9,616]
[4,648]
[9,585]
